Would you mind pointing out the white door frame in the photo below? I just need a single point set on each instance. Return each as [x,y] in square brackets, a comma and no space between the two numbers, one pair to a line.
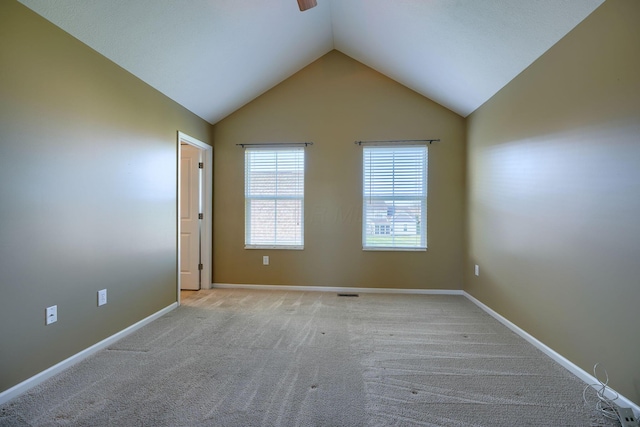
[207,222]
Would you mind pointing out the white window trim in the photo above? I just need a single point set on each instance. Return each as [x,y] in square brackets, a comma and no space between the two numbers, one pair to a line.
[276,147]
[382,198]
[392,249]
[286,247]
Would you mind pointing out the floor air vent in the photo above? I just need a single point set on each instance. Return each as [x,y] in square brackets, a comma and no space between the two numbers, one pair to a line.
[348,295]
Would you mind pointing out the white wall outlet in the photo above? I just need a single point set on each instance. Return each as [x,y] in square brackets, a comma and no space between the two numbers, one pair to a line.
[627,417]
[476,270]
[52,314]
[102,297]
[265,260]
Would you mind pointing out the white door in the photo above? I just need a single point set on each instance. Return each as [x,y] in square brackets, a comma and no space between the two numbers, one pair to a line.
[189,221]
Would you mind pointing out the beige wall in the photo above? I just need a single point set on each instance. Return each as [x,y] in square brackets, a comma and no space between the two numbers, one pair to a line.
[554,197]
[87,194]
[334,102]
[87,191]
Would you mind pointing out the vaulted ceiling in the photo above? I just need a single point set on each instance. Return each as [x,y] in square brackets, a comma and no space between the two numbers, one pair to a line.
[214,56]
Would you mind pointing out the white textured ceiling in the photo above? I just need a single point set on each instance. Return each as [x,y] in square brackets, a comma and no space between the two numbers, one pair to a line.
[214,56]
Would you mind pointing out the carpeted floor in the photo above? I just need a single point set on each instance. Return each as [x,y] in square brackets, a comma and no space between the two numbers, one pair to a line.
[275,358]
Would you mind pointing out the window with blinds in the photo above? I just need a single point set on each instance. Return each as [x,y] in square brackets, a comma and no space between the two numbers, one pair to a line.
[394,198]
[274,198]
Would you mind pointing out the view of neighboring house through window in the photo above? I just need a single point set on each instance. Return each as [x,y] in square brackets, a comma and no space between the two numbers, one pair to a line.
[394,197]
[274,197]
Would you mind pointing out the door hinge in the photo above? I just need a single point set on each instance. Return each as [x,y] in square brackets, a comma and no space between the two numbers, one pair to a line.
[200,165]
[200,216]
[199,266]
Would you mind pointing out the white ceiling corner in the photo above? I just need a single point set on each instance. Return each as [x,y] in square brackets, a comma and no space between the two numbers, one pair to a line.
[458,53]
[214,56]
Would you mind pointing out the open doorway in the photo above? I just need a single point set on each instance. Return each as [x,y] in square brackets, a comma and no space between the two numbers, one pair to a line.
[194,219]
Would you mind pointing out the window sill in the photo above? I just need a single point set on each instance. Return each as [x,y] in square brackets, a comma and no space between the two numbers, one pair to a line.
[285,247]
[386,249]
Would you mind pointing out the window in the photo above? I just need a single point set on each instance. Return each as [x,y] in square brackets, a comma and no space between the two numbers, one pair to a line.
[274,198]
[394,198]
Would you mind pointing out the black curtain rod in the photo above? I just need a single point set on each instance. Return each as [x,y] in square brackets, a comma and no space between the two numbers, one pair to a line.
[277,144]
[396,141]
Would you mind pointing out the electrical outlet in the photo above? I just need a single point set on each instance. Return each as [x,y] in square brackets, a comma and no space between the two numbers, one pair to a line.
[52,315]
[265,260]
[102,297]
[476,270]
[627,417]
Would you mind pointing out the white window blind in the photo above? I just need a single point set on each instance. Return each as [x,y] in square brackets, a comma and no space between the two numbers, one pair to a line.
[394,197]
[274,198]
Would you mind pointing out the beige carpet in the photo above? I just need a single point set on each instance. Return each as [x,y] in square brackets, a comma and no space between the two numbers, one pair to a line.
[275,358]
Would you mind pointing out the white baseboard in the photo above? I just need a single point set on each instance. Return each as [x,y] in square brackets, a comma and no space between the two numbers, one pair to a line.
[563,361]
[25,385]
[339,289]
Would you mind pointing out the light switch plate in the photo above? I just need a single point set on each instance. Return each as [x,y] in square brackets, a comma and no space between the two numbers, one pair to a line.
[51,315]
[102,297]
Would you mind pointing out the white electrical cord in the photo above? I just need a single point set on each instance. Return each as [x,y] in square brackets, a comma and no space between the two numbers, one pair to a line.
[604,405]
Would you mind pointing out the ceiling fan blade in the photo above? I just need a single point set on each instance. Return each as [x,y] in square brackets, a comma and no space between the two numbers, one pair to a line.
[306,4]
